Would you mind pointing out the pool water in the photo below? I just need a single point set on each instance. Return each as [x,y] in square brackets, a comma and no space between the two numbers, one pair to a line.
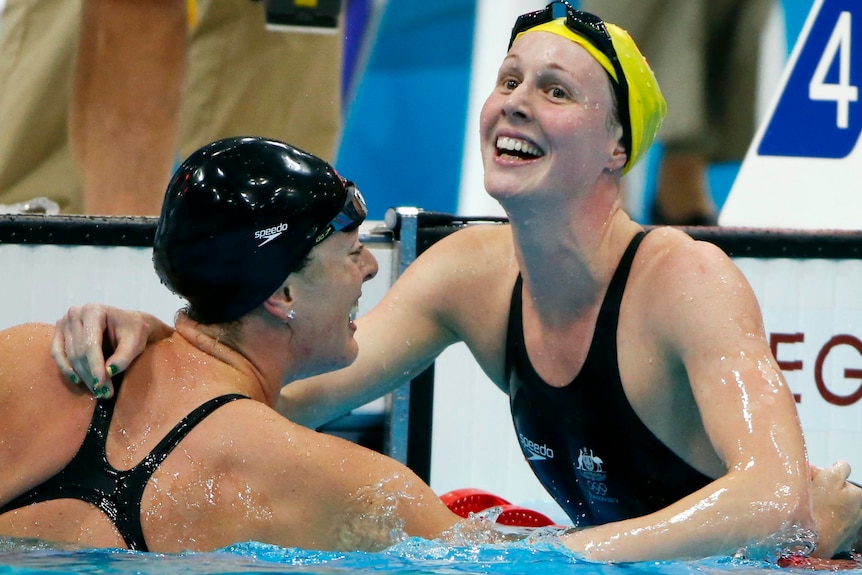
[413,556]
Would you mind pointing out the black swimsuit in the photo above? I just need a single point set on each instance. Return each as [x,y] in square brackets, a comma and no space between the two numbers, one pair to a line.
[584,441]
[118,493]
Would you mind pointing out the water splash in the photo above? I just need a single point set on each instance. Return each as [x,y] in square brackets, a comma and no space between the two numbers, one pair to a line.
[413,556]
[792,541]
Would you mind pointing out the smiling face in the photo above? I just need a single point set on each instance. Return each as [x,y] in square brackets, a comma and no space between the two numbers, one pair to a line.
[324,293]
[549,122]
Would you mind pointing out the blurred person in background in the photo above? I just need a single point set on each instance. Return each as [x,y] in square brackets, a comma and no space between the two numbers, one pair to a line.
[100,97]
[705,54]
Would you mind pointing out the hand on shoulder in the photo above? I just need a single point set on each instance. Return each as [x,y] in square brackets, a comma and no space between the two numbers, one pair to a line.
[80,337]
[837,508]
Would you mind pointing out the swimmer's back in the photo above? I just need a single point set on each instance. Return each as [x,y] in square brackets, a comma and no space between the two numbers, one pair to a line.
[243,473]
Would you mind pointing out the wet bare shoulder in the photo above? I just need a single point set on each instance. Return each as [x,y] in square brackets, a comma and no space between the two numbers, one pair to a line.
[325,492]
[469,271]
[476,249]
[670,258]
[32,394]
[27,372]
[682,282]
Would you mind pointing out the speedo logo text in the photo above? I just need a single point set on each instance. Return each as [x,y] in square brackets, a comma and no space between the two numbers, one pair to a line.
[536,452]
[270,234]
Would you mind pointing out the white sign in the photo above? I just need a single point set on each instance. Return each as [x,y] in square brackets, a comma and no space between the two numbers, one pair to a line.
[804,167]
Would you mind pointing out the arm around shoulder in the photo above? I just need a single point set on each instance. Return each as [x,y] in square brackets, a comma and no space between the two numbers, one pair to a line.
[416,320]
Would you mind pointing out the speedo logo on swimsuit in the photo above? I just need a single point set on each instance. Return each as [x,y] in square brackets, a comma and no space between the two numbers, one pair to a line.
[537,452]
[270,234]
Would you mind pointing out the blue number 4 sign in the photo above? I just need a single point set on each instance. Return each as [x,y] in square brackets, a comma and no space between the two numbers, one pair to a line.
[818,114]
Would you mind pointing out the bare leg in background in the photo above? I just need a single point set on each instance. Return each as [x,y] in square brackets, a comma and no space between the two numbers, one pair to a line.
[682,191]
[127,88]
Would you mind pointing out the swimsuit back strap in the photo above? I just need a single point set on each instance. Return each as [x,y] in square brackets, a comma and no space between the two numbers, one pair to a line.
[134,480]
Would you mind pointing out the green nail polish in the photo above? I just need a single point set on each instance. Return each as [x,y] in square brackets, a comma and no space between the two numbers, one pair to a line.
[102,392]
[75,379]
[112,370]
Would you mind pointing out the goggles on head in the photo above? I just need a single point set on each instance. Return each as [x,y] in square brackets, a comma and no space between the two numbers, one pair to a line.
[593,30]
[351,215]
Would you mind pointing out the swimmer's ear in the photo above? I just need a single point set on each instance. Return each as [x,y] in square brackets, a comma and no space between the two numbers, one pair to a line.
[618,158]
[279,303]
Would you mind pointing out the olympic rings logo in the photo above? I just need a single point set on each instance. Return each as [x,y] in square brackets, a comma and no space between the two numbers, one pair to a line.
[597,487]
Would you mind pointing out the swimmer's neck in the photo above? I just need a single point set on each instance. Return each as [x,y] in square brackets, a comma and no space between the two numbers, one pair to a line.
[567,259]
[261,364]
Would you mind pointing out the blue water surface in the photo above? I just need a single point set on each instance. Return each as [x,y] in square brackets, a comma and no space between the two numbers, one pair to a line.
[414,556]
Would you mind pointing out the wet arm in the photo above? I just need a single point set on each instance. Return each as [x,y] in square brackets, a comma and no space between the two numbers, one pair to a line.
[747,411]
[764,492]
[397,339]
[440,299]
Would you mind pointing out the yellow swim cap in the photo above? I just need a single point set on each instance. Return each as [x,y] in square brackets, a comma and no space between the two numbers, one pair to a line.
[640,103]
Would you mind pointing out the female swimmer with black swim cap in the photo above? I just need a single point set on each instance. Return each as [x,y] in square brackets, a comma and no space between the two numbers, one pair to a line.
[239,216]
[261,238]
[250,221]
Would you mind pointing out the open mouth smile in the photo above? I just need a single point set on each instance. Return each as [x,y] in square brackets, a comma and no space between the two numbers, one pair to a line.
[518,148]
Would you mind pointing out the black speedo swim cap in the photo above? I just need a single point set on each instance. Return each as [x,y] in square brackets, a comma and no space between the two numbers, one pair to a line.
[239,216]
